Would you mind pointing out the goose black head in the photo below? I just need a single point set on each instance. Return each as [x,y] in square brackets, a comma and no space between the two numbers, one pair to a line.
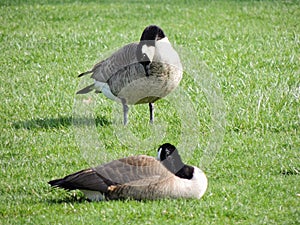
[166,151]
[170,158]
[146,47]
[152,33]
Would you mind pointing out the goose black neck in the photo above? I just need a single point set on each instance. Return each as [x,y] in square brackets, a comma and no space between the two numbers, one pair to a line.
[173,162]
[186,172]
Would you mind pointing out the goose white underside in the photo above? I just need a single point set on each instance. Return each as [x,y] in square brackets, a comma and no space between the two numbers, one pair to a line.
[93,195]
[104,88]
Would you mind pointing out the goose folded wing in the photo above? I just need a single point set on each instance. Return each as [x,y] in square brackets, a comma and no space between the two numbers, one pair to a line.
[131,169]
[84,180]
[117,172]
[105,69]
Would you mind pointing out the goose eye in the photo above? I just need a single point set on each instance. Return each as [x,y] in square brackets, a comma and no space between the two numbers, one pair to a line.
[144,57]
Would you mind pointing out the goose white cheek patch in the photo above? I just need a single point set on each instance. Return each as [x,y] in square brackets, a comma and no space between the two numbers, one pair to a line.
[149,51]
[159,153]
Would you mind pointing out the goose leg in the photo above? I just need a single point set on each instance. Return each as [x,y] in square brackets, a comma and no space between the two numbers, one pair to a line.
[151,109]
[125,111]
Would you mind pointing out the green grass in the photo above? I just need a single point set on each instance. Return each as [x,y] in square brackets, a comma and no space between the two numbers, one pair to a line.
[252,48]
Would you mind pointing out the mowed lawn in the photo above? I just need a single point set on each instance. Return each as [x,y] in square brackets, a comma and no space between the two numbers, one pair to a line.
[252,49]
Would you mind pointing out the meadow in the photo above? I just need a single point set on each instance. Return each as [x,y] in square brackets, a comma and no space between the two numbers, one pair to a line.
[252,48]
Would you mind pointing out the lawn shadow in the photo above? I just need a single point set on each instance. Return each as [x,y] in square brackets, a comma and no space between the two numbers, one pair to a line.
[59,122]
[74,196]
[70,198]
[290,172]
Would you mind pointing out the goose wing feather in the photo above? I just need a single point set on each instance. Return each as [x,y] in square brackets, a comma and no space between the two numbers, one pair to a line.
[140,169]
[131,169]
[125,56]
[85,180]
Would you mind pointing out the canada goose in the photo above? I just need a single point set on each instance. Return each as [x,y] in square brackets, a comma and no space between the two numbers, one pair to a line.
[138,177]
[138,73]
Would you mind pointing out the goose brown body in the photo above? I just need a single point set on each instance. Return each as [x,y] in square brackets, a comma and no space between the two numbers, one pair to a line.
[135,177]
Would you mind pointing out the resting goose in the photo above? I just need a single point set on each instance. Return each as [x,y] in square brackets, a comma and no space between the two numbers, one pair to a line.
[138,73]
[138,177]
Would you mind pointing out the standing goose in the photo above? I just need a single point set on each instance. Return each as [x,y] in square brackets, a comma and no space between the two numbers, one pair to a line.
[138,73]
[138,177]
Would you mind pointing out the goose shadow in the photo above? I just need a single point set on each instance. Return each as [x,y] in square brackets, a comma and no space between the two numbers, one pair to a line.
[60,122]
[68,198]
[77,197]
[80,199]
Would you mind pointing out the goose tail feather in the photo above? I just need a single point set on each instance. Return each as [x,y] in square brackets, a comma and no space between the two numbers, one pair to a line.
[59,183]
[87,72]
[86,89]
